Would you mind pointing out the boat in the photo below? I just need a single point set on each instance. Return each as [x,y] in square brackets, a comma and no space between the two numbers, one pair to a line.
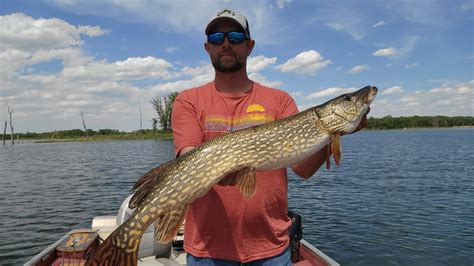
[76,246]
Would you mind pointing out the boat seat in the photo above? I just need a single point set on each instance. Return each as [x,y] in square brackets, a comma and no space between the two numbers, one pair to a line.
[148,245]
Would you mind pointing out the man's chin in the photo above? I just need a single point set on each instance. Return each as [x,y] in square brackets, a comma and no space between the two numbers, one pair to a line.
[228,67]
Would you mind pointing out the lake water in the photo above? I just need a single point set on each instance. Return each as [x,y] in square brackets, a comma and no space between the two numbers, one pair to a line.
[399,198]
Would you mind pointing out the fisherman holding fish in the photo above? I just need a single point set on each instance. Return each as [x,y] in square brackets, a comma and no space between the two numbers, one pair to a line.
[233,139]
[223,227]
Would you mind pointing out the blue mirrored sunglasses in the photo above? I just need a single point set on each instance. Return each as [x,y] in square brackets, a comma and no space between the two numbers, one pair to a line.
[234,37]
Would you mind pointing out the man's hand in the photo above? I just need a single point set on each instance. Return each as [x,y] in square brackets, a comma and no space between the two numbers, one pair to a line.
[231,179]
[307,167]
[362,124]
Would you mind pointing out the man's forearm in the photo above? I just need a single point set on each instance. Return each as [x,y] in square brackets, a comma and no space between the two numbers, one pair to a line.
[185,149]
[307,167]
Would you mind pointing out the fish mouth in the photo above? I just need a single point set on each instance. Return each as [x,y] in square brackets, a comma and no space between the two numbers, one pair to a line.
[367,94]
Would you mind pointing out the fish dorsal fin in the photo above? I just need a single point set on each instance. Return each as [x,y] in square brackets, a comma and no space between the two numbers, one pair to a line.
[144,184]
[328,156]
[336,148]
[167,226]
[247,182]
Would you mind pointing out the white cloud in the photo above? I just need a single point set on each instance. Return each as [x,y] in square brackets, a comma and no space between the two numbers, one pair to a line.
[258,63]
[27,41]
[414,64]
[296,94]
[468,6]
[179,85]
[263,80]
[283,3]
[425,12]
[134,68]
[456,99]
[104,90]
[347,18]
[166,13]
[197,71]
[334,91]
[393,90]
[308,62]
[169,15]
[92,31]
[348,26]
[407,45]
[385,52]
[170,49]
[21,32]
[465,89]
[358,69]
[379,24]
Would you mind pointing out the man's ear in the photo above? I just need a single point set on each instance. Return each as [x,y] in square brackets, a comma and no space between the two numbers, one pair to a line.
[206,46]
[250,45]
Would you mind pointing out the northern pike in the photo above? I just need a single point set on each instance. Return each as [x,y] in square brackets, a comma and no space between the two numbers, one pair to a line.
[163,193]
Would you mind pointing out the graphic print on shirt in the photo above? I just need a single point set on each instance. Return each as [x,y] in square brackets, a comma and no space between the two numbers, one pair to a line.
[254,115]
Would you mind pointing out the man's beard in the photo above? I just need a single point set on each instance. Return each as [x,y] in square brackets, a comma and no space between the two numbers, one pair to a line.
[226,66]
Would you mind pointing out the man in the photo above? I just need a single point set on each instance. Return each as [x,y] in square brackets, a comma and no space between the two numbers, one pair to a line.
[223,228]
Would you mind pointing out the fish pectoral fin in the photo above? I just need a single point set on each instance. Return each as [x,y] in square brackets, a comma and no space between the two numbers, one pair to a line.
[145,184]
[247,182]
[336,148]
[167,226]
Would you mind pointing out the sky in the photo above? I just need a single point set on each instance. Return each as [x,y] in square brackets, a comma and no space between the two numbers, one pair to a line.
[109,58]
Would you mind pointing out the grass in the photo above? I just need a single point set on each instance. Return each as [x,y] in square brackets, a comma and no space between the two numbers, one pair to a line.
[121,136]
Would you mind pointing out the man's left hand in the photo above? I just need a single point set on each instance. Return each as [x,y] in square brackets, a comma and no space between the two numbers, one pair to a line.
[362,124]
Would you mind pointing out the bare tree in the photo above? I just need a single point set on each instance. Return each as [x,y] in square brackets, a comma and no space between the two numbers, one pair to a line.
[140,107]
[84,124]
[10,112]
[4,133]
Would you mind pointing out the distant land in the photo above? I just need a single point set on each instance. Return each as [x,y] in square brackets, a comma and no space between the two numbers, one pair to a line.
[387,122]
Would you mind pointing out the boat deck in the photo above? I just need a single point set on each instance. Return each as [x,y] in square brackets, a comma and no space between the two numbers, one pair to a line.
[150,252]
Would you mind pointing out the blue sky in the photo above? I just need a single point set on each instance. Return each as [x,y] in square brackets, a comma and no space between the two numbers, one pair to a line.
[63,57]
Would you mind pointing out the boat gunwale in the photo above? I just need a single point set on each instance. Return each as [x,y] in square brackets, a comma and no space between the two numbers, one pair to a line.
[318,253]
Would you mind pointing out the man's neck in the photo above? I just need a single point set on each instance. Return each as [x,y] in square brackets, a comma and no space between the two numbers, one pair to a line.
[235,82]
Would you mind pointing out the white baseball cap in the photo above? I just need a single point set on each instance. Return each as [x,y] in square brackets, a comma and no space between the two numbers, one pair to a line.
[229,15]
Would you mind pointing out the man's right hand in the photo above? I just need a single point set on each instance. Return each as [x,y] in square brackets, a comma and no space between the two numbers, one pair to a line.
[232,178]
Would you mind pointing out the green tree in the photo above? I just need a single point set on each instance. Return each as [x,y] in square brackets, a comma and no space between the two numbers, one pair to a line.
[163,107]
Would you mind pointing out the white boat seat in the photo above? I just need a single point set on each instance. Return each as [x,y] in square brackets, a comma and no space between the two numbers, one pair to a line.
[148,245]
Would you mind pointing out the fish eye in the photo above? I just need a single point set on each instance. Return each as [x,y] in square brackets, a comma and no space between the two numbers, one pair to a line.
[347,98]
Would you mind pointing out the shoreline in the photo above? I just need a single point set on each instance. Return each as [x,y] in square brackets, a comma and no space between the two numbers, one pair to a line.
[169,136]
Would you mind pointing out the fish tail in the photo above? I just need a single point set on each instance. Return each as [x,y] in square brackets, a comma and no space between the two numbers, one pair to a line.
[111,253]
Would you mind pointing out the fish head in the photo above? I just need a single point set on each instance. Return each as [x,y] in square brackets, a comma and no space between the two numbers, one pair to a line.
[344,113]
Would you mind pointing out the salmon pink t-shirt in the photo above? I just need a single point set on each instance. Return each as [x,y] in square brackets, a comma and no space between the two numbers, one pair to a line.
[223,224]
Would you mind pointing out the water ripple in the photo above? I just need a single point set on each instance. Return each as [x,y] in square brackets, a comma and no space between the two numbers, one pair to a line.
[399,197]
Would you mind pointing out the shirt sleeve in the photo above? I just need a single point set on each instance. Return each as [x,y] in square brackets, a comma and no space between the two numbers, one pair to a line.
[187,130]
[288,105]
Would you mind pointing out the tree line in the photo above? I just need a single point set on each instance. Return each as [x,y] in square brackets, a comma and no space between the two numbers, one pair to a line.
[163,107]
[68,134]
[389,122]
[161,124]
